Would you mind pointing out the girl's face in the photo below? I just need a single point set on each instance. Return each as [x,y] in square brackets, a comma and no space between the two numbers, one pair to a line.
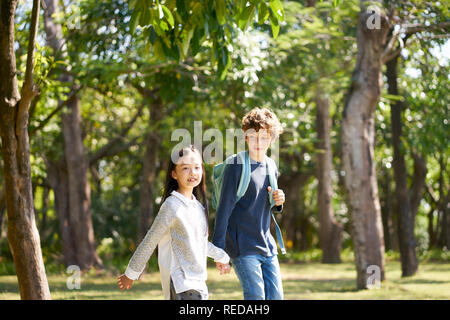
[188,171]
[258,141]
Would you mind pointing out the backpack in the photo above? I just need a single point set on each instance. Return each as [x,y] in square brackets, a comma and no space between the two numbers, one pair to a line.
[244,158]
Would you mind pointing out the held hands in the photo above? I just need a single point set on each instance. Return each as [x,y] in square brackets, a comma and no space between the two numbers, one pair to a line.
[278,196]
[124,282]
[223,268]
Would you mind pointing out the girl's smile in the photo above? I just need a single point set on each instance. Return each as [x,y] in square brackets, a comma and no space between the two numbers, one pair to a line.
[188,173]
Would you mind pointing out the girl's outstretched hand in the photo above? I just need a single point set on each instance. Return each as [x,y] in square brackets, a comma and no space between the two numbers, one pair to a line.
[223,268]
[124,282]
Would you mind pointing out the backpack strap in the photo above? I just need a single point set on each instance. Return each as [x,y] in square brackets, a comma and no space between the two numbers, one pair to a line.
[244,181]
[271,167]
[244,158]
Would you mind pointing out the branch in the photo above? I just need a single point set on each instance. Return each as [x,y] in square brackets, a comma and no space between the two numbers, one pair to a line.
[61,105]
[112,152]
[145,92]
[102,152]
[429,190]
[386,56]
[409,30]
[29,90]
[418,27]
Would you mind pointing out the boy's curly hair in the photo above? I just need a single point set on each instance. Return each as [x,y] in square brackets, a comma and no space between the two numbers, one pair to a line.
[262,118]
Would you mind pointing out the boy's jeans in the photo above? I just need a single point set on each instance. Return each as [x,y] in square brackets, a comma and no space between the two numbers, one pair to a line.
[259,276]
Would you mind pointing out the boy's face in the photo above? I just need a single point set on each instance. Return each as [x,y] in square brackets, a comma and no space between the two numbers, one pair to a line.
[258,141]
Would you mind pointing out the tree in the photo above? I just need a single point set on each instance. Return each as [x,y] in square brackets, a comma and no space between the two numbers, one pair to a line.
[310,60]
[330,232]
[407,199]
[71,180]
[407,241]
[358,144]
[23,236]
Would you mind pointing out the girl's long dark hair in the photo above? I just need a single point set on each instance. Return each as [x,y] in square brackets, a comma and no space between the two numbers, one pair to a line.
[172,184]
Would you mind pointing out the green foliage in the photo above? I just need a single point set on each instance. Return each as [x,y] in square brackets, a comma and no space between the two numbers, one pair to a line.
[276,54]
[175,26]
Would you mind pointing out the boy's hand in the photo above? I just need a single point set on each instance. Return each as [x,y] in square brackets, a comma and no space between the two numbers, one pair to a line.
[223,268]
[124,282]
[278,196]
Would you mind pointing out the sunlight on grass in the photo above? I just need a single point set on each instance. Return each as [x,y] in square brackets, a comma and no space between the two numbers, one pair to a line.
[300,281]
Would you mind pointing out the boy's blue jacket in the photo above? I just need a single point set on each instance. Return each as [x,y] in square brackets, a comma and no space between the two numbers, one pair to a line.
[244,228]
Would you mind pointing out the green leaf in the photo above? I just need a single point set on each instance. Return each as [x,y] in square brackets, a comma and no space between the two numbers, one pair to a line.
[263,13]
[196,41]
[275,25]
[145,17]
[152,35]
[168,15]
[277,9]
[133,20]
[224,62]
[163,25]
[197,16]
[158,50]
[220,6]
[393,97]
[187,41]
[246,17]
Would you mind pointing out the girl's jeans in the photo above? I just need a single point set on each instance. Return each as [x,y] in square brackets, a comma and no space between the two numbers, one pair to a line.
[259,276]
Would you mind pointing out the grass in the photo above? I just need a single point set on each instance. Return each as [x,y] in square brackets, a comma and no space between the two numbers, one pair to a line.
[301,281]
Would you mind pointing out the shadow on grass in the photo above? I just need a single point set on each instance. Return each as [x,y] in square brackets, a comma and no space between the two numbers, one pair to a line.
[413,280]
[6,286]
[107,287]
[319,285]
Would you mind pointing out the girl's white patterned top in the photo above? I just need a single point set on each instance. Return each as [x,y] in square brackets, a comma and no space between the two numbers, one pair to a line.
[181,222]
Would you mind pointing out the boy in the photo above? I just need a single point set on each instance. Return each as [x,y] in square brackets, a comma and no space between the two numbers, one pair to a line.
[242,229]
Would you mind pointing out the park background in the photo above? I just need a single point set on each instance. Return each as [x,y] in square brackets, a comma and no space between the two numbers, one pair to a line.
[361,89]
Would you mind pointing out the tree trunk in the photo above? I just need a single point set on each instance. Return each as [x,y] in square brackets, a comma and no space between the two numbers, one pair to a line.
[23,235]
[443,208]
[149,165]
[293,185]
[407,241]
[418,183]
[446,226]
[358,149]
[2,213]
[431,233]
[290,210]
[434,204]
[57,176]
[292,220]
[78,214]
[389,229]
[330,231]
[79,188]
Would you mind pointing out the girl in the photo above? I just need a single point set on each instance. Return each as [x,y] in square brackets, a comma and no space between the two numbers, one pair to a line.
[181,232]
